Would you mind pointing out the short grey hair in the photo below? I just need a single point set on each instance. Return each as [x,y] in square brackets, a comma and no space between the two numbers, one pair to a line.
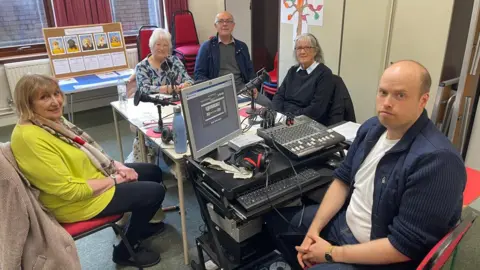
[159,34]
[314,43]
[216,17]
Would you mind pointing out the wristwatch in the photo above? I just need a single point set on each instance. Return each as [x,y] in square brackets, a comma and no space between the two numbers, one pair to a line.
[114,177]
[328,255]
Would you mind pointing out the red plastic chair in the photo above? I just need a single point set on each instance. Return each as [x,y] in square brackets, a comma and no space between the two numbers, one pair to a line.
[143,37]
[274,73]
[440,253]
[185,38]
[81,229]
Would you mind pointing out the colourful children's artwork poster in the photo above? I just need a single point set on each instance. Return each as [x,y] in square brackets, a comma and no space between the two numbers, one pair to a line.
[302,14]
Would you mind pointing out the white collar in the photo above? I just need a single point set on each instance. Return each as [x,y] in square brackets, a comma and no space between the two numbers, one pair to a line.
[220,41]
[310,69]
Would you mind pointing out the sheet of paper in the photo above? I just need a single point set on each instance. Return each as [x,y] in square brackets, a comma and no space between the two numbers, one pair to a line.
[67,81]
[125,72]
[118,59]
[348,130]
[76,64]
[105,60]
[107,75]
[61,66]
[91,62]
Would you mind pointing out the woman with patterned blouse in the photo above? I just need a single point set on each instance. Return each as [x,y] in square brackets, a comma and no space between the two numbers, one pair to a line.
[150,72]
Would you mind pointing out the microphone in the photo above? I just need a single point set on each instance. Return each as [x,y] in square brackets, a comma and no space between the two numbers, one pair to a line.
[143,97]
[262,75]
[166,66]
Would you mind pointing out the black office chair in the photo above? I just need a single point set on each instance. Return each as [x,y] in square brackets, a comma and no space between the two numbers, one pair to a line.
[341,106]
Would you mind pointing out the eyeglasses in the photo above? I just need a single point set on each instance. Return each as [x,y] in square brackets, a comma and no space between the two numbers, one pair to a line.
[225,21]
[303,48]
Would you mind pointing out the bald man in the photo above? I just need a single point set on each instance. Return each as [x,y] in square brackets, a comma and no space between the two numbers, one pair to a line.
[223,54]
[396,194]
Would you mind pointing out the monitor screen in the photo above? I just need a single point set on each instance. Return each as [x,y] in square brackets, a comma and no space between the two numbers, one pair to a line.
[211,114]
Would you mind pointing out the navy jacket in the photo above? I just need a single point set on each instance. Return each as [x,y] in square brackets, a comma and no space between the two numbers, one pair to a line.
[418,186]
[207,64]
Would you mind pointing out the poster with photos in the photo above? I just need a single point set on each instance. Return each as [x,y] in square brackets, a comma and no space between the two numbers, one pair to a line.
[115,40]
[101,41]
[87,42]
[71,42]
[84,50]
[56,45]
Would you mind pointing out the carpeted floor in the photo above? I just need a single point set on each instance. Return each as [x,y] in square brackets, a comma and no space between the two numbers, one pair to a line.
[96,250]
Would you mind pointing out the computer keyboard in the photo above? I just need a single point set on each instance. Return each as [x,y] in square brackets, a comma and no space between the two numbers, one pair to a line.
[303,138]
[278,187]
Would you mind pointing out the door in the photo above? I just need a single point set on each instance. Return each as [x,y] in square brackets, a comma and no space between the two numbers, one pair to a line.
[467,87]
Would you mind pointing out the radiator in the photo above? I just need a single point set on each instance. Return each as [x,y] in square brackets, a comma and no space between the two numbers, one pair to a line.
[15,71]
[132,57]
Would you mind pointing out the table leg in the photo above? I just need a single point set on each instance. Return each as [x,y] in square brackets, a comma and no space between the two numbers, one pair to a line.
[117,132]
[141,143]
[179,175]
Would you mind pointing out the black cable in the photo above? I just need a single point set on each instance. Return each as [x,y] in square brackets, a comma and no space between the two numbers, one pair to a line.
[296,178]
[167,115]
[272,137]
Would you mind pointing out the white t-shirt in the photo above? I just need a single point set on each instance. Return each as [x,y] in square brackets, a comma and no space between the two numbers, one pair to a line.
[359,211]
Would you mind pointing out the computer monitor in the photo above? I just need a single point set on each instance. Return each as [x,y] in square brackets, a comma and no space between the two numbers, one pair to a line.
[211,114]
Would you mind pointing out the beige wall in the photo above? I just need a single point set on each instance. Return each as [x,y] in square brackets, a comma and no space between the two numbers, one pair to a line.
[204,12]
[363,52]
[420,32]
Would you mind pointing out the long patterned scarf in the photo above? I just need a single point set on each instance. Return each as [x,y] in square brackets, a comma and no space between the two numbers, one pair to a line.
[76,137]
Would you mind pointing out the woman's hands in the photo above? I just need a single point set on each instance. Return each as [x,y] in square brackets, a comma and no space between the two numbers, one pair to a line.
[124,173]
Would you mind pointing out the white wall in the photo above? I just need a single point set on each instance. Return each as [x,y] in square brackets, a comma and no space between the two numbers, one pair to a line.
[204,12]
[241,12]
[363,52]
[420,32]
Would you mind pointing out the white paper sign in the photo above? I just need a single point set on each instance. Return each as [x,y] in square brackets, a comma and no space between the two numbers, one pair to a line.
[105,60]
[83,30]
[76,64]
[61,66]
[118,59]
[91,62]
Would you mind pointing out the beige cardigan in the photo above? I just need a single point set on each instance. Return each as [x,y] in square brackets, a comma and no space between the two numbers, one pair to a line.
[30,237]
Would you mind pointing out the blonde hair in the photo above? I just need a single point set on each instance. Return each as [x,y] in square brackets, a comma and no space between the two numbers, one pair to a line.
[160,34]
[26,91]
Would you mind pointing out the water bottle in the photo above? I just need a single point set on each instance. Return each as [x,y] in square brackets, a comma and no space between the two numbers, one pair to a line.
[179,131]
[122,91]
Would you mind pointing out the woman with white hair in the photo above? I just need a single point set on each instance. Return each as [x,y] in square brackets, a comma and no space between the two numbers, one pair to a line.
[308,86]
[151,72]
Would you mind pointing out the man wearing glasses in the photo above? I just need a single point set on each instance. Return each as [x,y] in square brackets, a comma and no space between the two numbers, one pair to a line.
[223,54]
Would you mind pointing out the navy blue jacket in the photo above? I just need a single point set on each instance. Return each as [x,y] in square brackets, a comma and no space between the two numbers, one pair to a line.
[207,64]
[418,186]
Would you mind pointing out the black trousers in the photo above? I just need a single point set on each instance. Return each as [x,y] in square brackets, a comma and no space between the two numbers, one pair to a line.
[143,198]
